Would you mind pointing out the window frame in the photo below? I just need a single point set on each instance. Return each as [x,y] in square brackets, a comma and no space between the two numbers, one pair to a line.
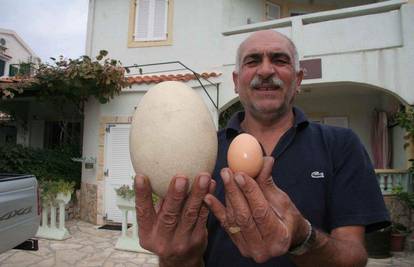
[3,67]
[145,43]
[267,6]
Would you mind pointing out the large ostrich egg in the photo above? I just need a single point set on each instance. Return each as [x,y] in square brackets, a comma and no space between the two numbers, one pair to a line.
[172,132]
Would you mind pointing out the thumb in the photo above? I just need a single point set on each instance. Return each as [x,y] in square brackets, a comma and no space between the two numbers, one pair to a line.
[265,179]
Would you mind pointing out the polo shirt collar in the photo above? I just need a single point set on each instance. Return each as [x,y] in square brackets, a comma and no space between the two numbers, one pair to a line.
[233,127]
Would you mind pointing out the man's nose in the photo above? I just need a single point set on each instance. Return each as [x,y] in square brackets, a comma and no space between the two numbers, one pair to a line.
[266,69]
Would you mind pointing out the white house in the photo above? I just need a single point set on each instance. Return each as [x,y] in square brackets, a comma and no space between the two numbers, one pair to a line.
[358,57]
[13,52]
[15,56]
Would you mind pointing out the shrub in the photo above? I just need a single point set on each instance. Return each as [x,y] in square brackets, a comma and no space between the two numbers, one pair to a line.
[46,164]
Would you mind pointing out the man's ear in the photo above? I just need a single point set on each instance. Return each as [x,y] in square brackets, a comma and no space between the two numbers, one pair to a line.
[299,78]
[235,81]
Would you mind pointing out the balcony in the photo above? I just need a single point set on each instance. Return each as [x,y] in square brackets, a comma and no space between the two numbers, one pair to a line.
[390,178]
[369,45]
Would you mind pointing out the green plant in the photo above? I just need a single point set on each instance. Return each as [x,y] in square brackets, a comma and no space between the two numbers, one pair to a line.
[125,191]
[45,164]
[65,187]
[399,228]
[76,80]
[49,190]
[406,199]
[128,192]
[405,119]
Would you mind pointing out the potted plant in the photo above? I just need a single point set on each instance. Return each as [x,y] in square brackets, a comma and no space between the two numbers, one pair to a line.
[65,190]
[399,230]
[126,196]
[52,191]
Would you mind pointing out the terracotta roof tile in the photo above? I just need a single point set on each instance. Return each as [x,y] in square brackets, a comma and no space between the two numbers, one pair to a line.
[170,77]
[11,79]
[140,79]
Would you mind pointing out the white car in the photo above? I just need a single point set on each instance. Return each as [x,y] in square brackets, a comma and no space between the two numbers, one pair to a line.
[19,209]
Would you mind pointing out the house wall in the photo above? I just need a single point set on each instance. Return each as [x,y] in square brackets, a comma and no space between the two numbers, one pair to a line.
[17,49]
[91,138]
[240,12]
[379,53]
[195,44]
[349,106]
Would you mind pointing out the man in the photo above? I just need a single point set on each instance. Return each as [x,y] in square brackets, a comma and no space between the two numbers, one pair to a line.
[309,206]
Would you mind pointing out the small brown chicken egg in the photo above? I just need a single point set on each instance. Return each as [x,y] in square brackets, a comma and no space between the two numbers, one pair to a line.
[245,155]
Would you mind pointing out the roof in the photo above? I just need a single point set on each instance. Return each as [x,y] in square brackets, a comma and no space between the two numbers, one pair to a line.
[12,79]
[140,79]
[148,79]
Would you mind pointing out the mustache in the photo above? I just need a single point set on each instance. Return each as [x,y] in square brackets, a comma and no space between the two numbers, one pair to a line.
[272,81]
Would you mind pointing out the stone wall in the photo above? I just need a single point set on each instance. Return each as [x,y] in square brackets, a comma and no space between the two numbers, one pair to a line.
[88,203]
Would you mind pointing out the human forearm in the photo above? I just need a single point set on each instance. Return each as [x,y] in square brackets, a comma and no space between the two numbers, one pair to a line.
[333,250]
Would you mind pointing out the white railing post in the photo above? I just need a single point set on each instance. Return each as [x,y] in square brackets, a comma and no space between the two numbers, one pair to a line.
[125,241]
[44,217]
[390,178]
[51,231]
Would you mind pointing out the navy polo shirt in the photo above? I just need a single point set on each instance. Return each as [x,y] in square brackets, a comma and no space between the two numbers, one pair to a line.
[326,172]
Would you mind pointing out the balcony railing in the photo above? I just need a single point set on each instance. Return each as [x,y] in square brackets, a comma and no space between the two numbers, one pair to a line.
[390,178]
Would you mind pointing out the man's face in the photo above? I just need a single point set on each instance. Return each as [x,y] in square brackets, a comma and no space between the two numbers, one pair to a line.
[266,81]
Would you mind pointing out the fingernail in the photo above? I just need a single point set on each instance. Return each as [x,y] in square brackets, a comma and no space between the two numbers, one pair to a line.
[139,181]
[204,181]
[180,184]
[240,179]
[225,176]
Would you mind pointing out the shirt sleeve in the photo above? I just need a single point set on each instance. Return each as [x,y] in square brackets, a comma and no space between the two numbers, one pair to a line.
[355,196]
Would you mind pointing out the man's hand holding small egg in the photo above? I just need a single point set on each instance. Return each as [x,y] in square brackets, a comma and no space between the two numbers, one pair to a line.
[258,216]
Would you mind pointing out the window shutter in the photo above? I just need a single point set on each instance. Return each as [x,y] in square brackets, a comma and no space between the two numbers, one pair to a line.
[142,19]
[151,20]
[160,20]
[13,71]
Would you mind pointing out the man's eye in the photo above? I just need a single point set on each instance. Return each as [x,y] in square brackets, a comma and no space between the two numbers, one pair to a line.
[281,61]
[251,62]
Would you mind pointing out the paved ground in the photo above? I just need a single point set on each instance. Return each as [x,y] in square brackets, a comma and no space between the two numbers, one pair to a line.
[90,246]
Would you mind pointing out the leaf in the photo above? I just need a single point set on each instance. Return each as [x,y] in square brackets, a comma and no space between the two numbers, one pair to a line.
[103,53]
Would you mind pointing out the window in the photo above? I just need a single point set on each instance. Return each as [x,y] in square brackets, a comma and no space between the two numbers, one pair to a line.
[150,22]
[58,133]
[272,10]
[13,70]
[2,67]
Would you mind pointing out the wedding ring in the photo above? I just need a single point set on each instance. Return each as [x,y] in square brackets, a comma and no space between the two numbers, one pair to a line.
[234,229]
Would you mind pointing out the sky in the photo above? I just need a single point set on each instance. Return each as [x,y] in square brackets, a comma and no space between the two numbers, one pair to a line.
[49,27]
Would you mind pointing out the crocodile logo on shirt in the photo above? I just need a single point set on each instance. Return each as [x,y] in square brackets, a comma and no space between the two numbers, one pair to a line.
[317,175]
